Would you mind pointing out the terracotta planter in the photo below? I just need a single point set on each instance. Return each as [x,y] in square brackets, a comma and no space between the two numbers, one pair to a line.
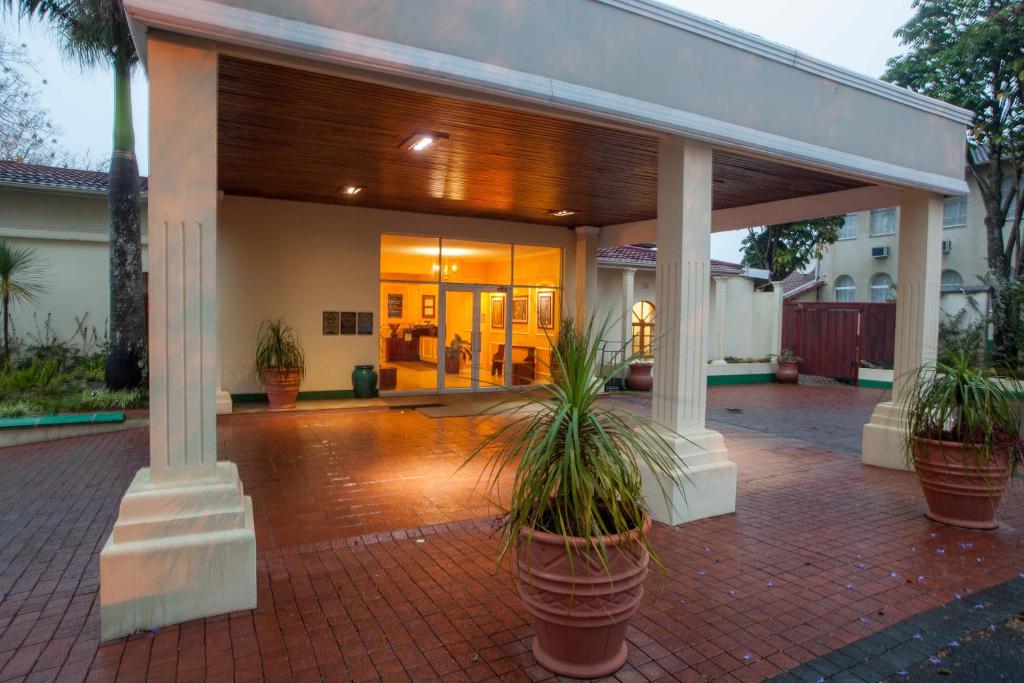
[959,489]
[639,377]
[580,609]
[452,366]
[787,372]
[282,387]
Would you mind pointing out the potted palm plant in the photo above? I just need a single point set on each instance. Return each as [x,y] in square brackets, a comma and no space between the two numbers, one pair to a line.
[788,370]
[577,522]
[963,438]
[280,362]
[454,354]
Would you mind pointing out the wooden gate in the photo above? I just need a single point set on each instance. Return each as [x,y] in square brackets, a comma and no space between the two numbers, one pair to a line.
[833,338]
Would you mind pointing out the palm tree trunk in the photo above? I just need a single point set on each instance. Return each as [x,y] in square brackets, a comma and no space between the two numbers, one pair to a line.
[7,328]
[127,323]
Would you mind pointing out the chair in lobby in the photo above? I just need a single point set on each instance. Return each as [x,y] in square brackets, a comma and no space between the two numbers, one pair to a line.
[498,361]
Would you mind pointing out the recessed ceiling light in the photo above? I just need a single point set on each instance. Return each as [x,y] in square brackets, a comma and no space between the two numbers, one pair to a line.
[560,213]
[351,190]
[419,142]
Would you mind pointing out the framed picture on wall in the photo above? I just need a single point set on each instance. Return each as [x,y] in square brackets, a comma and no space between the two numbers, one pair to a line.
[331,322]
[545,309]
[348,322]
[429,306]
[394,305]
[498,311]
[520,309]
[364,322]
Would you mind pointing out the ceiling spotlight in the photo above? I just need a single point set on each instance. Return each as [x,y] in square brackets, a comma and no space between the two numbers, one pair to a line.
[351,190]
[419,142]
[560,213]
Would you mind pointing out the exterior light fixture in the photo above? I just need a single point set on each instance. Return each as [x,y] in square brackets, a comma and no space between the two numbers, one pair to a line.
[561,213]
[351,190]
[419,142]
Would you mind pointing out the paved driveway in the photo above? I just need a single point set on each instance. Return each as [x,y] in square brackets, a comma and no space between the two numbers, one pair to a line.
[822,551]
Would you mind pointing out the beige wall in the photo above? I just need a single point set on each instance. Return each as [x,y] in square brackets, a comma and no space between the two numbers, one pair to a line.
[853,256]
[748,313]
[296,260]
[69,233]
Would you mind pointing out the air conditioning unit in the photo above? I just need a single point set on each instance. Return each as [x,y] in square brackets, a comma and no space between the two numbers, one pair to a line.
[880,252]
[947,246]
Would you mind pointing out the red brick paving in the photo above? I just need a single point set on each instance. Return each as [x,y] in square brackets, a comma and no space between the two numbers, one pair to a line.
[746,596]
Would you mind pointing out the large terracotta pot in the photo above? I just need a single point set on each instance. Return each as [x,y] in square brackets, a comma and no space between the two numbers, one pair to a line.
[282,387]
[639,377]
[787,372]
[580,608]
[958,488]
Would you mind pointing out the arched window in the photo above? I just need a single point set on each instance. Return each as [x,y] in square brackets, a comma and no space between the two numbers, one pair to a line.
[643,328]
[952,281]
[845,288]
[881,288]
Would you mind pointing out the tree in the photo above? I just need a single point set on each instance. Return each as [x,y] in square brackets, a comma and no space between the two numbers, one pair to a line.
[787,247]
[95,33]
[21,281]
[26,132]
[971,53]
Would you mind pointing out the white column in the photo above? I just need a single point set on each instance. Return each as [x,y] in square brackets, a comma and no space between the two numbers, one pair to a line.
[628,280]
[680,349]
[183,546]
[718,319]
[779,300]
[587,237]
[918,278]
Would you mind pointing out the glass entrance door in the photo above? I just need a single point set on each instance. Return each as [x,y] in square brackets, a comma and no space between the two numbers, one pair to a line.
[472,337]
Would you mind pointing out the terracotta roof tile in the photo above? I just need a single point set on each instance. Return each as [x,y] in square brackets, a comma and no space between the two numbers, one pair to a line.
[633,255]
[54,177]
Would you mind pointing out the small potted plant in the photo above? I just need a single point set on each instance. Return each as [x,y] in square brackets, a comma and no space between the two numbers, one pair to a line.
[577,522]
[788,370]
[280,362]
[454,354]
[963,438]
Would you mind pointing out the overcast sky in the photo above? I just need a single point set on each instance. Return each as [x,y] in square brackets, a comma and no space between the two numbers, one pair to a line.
[856,35]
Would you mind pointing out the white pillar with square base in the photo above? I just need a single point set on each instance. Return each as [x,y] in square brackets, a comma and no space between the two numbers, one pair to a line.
[183,546]
[680,347]
[719,319]
[918,279]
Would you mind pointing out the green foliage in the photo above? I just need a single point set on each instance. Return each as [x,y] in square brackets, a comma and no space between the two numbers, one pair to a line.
[955,399]
[788,247]
[965,332]
[21,282]
[457,349]
[788,355]
[971,53]
[577,464]
[278,347]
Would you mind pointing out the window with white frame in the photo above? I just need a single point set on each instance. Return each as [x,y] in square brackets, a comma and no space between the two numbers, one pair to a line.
[952,281]
[881,288]
[849,229]
[1007,184]
[845,289]
[883,222]
[954,212]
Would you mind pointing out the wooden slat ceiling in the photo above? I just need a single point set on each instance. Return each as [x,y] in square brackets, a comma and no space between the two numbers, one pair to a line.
[292,134]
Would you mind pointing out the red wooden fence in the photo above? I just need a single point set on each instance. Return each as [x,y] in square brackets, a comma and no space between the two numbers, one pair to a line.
[833,337]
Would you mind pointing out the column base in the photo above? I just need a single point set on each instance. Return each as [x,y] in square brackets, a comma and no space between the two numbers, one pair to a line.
[177,553]
[708,481]
[883,439]
[224,405]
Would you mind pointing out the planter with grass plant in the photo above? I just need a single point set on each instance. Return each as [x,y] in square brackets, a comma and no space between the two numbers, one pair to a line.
[963,438]
[454,354]
[577,522]
[280,362]
[788,371]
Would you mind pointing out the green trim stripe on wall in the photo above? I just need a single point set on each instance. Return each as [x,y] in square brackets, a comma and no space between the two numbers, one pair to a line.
[874,383]
[754,378]
[303,396]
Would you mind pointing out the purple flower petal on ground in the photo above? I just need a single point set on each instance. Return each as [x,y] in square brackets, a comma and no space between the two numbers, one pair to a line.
[707,549]
[747,657]
[859,565]
[920,579]
[902,672]
[894,575]
[957,596]
[770,584]
[933,535]
[955,643]
[918,636]
[978,560]
[913,548]
[940,551]
[865,620]
[849,586]
[992,627]
[935,660]
[979,606]
[732,591]
[702,572]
